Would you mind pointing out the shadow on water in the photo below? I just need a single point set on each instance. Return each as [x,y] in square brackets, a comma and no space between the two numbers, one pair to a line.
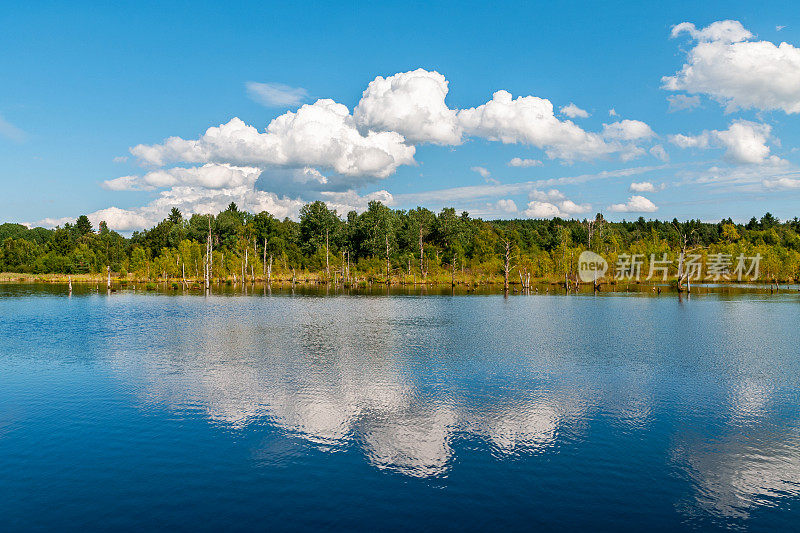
[378,289]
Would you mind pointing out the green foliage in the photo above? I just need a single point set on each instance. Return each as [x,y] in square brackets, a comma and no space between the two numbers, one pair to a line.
[176,247]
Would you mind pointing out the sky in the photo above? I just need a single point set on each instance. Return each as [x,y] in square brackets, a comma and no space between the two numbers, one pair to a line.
[503,109]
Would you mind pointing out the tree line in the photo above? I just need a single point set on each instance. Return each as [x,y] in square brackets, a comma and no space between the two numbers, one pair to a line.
[381,244]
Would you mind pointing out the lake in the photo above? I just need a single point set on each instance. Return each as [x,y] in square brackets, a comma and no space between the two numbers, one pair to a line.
[400,411]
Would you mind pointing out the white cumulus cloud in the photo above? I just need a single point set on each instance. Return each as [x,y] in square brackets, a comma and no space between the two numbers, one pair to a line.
[553,203]
[320,135]
[642,186]
[210,175]
[507,205]
[524,163]
[627,130]
[412,104]
[635,204]
[530,120]
[737,71]
[346,201]
[573,111]
[744,142]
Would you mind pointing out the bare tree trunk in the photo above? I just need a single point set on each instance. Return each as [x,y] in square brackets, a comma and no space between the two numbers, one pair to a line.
[421,254]
[327,256]
[108,277]
[264,262]
[269,270]
[507,265]
[388,279]
[209,251]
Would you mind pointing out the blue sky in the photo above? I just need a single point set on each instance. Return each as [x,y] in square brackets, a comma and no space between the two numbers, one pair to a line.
[83,85]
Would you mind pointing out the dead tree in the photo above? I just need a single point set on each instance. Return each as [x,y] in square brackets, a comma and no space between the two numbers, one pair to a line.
[507,265]
[388,273]
[421,254]
[683,272]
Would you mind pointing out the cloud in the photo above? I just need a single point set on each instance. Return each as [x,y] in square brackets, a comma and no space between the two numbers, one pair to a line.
[506,205]
[530,120]
[320,135]
[738,72]
[482,171]
[532,188]
[411,104]
[635,204]
[121,159]
[553,203]
[613,112]
[525,163]
[344,202]
[659,152]
[189,200]
[642,186]
[321,150]
[551,195]
[275,94]
[116,218]
[680,102]
[627,130]
[210,175]
[538,209]
[782,184]
[573,111]
[725,31]
[11,132]
[744,142]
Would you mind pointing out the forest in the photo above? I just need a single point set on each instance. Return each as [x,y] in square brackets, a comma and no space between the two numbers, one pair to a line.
[383,245]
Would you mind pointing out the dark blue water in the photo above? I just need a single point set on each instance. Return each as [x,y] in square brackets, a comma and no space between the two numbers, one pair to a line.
[567,413]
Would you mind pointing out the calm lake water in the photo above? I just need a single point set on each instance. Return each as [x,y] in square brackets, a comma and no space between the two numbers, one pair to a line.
[399,412]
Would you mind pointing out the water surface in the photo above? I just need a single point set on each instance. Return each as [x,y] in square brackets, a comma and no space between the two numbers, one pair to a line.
[401,411]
